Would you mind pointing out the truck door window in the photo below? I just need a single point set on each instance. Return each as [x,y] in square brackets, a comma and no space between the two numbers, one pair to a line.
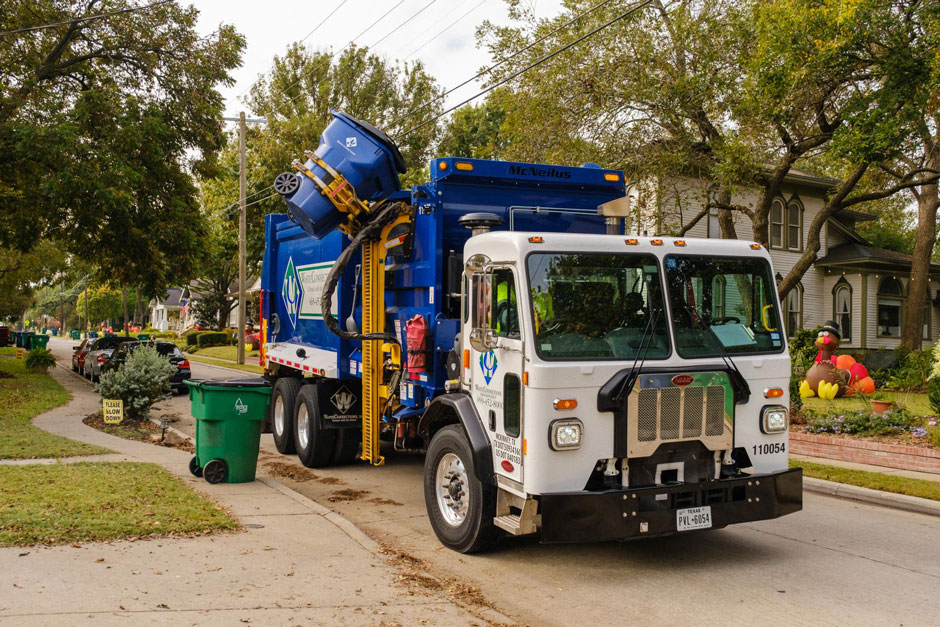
[512,410]
[504,309]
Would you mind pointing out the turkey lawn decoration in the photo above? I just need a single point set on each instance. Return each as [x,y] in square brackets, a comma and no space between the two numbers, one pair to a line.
[834,375]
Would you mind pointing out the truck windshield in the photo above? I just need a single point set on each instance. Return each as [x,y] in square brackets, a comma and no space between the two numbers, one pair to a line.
[722,305]
[596,306]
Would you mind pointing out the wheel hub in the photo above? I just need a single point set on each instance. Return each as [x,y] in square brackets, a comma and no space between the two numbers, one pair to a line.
[303,437]
[453,498]
[279,415]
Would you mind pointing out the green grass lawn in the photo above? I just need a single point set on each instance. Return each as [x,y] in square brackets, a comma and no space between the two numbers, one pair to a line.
[8,350]
[23,397]
[913,402]
[875,480]
[65,503]
[226,352]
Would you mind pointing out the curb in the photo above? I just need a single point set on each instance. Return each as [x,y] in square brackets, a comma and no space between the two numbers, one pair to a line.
[874,497]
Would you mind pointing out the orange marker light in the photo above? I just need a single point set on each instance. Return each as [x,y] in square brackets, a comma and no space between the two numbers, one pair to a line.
[610,176]
[466,358]
[631,241]
[463,165]
[679,242]
[524,446]
[564,403]
[525,378]
[755,246]
[536,239]
[656,242]
[442,165]
[773,393]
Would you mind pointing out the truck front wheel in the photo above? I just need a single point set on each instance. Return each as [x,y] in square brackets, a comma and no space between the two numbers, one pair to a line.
[283,399]
[314,444]
[461,508]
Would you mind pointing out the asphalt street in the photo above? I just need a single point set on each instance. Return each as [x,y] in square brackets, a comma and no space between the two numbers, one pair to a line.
[835,563]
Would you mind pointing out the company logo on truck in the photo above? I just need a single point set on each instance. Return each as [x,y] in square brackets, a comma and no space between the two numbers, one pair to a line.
[488,364]
[292,291]
[530,170]
[343,400]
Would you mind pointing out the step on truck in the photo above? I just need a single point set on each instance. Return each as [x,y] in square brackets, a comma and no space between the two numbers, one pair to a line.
[561,376]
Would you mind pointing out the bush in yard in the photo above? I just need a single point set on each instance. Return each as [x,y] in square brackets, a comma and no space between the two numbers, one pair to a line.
[39,360]
[144,379]
[933,394]
[912,372]
[191,337]
[212,338]
[863,422]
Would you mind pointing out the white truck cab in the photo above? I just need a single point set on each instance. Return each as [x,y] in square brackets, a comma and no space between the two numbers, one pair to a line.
[622,387]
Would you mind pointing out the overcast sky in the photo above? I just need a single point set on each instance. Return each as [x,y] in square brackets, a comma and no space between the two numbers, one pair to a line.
[441,33]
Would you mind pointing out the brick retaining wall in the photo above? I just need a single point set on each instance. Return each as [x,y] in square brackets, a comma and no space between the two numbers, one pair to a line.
[864,452]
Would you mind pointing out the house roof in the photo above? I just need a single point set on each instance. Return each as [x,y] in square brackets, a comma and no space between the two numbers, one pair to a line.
[803,177]
[860,255]
[172,300]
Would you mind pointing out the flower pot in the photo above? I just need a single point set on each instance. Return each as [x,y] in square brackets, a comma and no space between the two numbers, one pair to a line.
[880,407]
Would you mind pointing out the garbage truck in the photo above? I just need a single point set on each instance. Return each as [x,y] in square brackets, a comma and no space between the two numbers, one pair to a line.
[562,376]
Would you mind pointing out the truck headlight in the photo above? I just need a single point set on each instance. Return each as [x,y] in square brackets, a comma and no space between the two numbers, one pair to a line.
[565,434]
[774,419]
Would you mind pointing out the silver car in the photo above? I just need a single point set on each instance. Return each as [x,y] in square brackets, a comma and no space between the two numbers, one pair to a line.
[100,353]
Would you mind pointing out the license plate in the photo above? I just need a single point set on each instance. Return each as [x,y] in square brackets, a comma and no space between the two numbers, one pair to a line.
[693,518]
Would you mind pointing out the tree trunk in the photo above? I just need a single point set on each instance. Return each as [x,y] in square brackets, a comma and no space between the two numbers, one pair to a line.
[127,330]
[928,201]
[138,309]
[86,313]
[725,221]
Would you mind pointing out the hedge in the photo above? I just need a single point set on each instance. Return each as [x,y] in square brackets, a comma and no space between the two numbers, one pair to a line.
[191,337]
[212,338]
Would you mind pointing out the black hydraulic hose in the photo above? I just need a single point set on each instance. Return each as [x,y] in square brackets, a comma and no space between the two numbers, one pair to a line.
[373,229]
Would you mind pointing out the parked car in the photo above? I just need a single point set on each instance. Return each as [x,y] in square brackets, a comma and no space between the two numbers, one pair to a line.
[79,351]
[167,349]
[99,353]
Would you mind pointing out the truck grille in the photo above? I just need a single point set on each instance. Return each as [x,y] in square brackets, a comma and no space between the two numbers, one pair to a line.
[671,413]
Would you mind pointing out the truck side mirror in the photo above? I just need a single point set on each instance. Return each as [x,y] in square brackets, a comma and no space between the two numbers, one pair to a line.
[477,341]
[482,337]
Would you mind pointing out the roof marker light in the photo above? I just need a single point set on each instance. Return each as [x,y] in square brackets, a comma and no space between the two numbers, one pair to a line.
[536,239]
[463,165]
[755,246]
[610,176]
[679,242]
[631,241]
[442,165]
[656,242]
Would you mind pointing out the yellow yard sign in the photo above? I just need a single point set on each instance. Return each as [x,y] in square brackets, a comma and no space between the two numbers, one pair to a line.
[113,411]
[20,353]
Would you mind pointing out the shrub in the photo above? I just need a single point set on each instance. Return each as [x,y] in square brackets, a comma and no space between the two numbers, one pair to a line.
[191,337]
[863,422]
[803,348]
[141,381]
[933,394]
[212,338]
[39,360]
[912,372]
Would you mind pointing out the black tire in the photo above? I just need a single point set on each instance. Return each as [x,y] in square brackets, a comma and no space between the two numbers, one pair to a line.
[281,413]
[346,450]
[215,471]
[194,467]
[314,445]
[475,531]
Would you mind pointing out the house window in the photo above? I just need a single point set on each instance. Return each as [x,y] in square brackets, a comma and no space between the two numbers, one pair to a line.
[794,310]
[794,225]
[842,308]
[890,302]
[714,229]
[718,297]
[776,224]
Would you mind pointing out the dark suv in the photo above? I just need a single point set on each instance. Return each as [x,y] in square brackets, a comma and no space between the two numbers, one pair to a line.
[168,349]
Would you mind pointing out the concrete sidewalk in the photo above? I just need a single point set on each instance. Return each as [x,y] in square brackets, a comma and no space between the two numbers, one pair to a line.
[296,561]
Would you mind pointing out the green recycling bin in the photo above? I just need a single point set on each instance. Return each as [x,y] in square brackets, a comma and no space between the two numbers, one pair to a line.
[27,339]
[18,339]
[38,341]
[228,414]
[143,337]
[76,335]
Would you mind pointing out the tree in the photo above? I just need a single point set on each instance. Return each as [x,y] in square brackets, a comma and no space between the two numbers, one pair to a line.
[21,273]
[474,132]
[218,272]
[101,124]
[104,303]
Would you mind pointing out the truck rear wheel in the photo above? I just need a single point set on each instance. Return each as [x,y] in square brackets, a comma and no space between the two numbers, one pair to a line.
[283,400]
[461,508]
[314,444]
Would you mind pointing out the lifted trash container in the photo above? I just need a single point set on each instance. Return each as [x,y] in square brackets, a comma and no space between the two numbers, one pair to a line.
[38,341]
[228,414]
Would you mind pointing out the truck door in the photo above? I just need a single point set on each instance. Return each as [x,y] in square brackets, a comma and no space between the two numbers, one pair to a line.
[496,364]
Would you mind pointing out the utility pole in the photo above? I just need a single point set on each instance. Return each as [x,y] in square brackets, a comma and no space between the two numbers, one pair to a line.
[242,228]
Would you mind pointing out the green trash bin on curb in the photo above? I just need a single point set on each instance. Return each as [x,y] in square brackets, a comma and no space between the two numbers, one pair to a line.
[228,414]
[76,335]
[27,340]
[38,341]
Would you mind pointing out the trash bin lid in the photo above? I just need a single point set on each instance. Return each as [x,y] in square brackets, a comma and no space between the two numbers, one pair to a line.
[258,382]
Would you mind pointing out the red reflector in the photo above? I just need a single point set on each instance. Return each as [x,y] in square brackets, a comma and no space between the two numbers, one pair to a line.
[507,465]
[102,358]
[682,379]
[184,364]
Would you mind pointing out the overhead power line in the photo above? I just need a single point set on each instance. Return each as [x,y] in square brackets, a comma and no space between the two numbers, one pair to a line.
[489,69]
[447,28]
[87,18]
[397,28]
[534,64]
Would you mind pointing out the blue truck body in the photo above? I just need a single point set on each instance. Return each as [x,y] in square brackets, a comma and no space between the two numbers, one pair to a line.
[528,197]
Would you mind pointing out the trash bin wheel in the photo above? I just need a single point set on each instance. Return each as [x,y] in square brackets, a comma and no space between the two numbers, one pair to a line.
[194,467]
[214,471]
